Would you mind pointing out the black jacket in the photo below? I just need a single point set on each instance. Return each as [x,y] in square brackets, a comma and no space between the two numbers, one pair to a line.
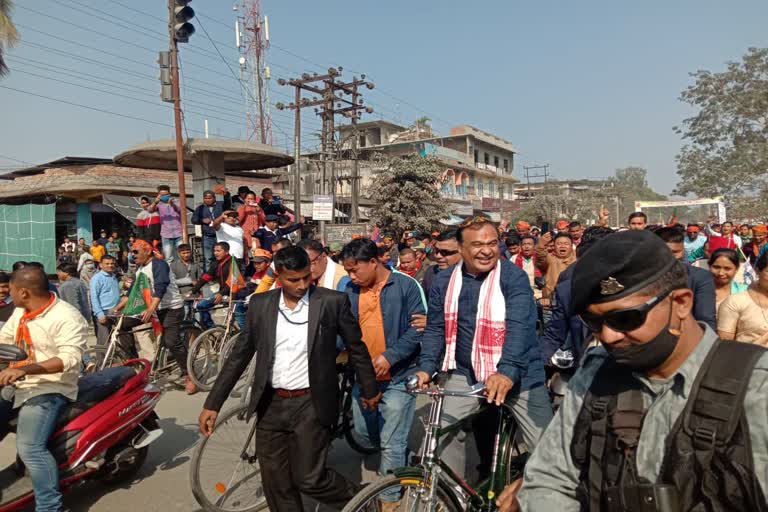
[218,271]
[702,284]
[330,315]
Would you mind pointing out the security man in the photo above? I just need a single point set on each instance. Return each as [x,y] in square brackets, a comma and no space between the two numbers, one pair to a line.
[663,416]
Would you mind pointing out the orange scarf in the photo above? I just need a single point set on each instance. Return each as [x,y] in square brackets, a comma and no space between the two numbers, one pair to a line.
[24,338]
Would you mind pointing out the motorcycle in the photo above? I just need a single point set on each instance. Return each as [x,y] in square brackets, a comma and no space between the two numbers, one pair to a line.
[105,434]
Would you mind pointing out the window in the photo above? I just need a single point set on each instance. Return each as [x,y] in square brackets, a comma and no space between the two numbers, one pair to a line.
[362,141]
[479,191]
[496,161]
[506,164]
[491,189]
[486,158]
[477,157]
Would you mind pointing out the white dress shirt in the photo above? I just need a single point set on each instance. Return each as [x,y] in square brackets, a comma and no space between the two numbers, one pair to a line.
[291,367]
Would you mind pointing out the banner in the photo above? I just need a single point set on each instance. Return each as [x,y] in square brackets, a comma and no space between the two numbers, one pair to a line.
[28,233]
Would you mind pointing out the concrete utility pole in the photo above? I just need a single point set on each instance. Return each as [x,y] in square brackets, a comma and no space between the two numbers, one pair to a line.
[528,175]
[330,104]
[303,83]
[179,30]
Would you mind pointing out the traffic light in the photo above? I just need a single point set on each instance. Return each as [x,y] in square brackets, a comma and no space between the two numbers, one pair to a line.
[180,17]
[166,90]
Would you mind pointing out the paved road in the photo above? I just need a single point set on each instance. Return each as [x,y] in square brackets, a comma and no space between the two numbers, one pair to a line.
[163,483]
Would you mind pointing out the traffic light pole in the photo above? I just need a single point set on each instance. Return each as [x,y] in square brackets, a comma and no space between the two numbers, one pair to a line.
[177,123]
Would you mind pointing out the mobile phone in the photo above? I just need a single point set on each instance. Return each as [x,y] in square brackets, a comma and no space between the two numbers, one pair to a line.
[544,227]
[275,199]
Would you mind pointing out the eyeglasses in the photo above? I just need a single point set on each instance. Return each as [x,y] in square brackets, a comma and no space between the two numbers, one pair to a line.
[313,261]
[445,252]
[623,320]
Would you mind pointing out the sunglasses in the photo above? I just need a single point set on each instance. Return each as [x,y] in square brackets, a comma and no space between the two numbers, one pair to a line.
[623,320]
[445,252]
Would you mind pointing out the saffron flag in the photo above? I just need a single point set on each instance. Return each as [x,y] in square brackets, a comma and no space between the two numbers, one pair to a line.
[235,281]
[139,299]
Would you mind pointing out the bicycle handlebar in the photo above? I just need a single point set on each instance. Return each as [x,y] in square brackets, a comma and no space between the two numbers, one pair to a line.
[411,383]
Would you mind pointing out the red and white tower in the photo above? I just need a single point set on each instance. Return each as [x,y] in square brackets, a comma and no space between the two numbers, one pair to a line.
[252,39]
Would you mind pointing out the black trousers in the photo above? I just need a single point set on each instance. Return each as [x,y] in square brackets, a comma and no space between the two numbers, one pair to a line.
[171,320]
[292,449]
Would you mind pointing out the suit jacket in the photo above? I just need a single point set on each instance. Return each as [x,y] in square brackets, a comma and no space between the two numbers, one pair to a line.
[564,325]
[702,284]
[330,315]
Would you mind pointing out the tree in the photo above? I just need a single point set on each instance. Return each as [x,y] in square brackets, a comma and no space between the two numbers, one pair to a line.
[632,185]
[552,207]
[9,36]
[727,149]
[407,194]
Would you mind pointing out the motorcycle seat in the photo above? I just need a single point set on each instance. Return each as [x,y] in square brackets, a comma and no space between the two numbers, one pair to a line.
[91,389]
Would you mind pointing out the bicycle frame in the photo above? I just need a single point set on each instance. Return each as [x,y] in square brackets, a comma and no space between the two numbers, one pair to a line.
[432,470]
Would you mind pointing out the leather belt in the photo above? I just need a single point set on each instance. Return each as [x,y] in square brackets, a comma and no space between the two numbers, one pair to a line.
[291,393]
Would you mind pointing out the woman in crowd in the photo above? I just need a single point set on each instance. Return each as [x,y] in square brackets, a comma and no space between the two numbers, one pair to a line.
[724,264]
[251,217]
[744,316]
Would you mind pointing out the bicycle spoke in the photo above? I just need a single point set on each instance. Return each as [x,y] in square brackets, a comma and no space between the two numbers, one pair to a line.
[227,480]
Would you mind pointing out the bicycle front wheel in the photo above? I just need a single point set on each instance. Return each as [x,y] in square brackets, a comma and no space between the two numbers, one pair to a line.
[224,473]
[411,493]
[203,358]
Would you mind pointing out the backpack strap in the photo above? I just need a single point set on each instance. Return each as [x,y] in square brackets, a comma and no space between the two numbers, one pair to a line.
[598,438]
[716,400]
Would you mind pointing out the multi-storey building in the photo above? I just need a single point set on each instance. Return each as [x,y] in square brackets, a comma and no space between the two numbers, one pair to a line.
[477,174]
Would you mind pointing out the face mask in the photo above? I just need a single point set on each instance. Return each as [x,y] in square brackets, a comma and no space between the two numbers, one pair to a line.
[253,203]
[165,197]
[649,355]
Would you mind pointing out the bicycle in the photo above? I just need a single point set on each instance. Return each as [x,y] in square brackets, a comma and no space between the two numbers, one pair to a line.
[233,445]
[203,360]
[432,484]
[98,358]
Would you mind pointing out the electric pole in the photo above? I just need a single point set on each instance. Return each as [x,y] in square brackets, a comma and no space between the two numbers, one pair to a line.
[528,175]
[330,104]
[304,83]
[179,30]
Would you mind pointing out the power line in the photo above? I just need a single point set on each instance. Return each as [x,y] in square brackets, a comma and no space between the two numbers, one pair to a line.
[95,109]
[215,94]
[16,160]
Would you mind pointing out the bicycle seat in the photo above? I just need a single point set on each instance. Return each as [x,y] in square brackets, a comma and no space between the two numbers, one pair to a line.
[91,390]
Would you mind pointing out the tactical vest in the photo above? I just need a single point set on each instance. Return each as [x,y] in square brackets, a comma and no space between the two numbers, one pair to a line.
[708,462]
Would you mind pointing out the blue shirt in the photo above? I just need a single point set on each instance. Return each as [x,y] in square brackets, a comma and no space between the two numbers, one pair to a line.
[105,293]
[521,358]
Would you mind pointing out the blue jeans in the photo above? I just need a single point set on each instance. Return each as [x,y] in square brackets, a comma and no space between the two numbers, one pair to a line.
[203,307]
[169,248]
[388,426]
[208,243]
[37,419]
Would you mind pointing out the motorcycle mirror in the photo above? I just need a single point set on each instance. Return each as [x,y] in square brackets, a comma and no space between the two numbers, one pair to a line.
[12,353]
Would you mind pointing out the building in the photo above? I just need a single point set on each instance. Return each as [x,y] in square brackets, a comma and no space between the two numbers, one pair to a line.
[78,196]
[478,166]
[525,191]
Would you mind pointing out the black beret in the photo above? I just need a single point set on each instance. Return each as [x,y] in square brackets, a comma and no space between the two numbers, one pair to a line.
[617,266]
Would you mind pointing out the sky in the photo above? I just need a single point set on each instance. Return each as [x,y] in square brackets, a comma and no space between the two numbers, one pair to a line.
[586,87]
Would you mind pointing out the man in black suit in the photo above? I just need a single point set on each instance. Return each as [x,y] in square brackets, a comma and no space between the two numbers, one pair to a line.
[293,329]
[700,281]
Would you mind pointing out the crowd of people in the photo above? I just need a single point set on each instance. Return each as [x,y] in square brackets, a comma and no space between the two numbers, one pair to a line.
[506,306]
